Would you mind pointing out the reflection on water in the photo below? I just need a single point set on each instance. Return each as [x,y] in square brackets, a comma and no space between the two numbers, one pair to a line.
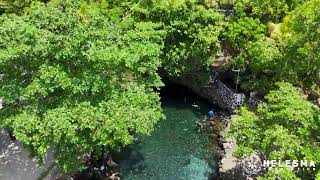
[175,150]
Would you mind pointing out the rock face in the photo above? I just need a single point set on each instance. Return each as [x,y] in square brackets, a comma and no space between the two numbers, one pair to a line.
[254,99]
[212,89]
[230,167]
[252,165]
[224,96]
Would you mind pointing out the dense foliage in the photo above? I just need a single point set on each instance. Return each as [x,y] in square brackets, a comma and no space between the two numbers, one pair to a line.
[241,31]
[302,47]
[82,76]
[291,52]
[192,33]
[80,86]
[267,9]
[16,6]
[285,127]
[276,173]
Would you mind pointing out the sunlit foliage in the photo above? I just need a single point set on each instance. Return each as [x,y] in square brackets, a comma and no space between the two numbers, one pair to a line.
[80,85]
[285,127]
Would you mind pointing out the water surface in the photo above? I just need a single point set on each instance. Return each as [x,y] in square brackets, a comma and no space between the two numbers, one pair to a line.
[175,150]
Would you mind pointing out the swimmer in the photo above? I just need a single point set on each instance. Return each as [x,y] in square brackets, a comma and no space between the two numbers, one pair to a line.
[111,163]
[211,115]
[195,106]
[200,126]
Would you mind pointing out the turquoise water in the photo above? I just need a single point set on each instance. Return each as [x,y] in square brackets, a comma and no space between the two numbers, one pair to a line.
[175,150]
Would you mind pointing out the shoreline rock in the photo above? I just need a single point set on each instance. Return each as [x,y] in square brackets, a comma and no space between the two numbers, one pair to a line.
[231,167]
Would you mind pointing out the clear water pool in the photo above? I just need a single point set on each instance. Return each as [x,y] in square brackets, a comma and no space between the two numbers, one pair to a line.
[175,150]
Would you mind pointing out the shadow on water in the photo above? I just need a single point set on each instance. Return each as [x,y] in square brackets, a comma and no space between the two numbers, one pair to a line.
[175,150]
[133,158]
[179,96]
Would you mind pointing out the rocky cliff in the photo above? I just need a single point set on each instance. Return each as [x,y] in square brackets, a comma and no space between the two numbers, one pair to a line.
[212,89]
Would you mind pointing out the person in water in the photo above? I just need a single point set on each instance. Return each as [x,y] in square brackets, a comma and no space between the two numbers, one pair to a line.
[211,116]
[200,126]
[111,163]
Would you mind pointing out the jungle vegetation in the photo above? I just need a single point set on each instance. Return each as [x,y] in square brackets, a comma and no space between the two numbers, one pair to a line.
[83,76]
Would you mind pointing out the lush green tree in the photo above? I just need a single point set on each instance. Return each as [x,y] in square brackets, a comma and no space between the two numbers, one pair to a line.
[267,9]
[263,56]
[318,176]
[285,127]
[262,59]
[240,31]
[77,79]
[302,53]
[16,6]
[291,53]
[243,34]
[279,173]
[192,32]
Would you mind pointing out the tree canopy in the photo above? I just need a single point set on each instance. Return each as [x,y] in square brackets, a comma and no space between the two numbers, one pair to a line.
[78,84]
[268,9]
[288,51]
[192,32]
[285,127]
[83,76]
